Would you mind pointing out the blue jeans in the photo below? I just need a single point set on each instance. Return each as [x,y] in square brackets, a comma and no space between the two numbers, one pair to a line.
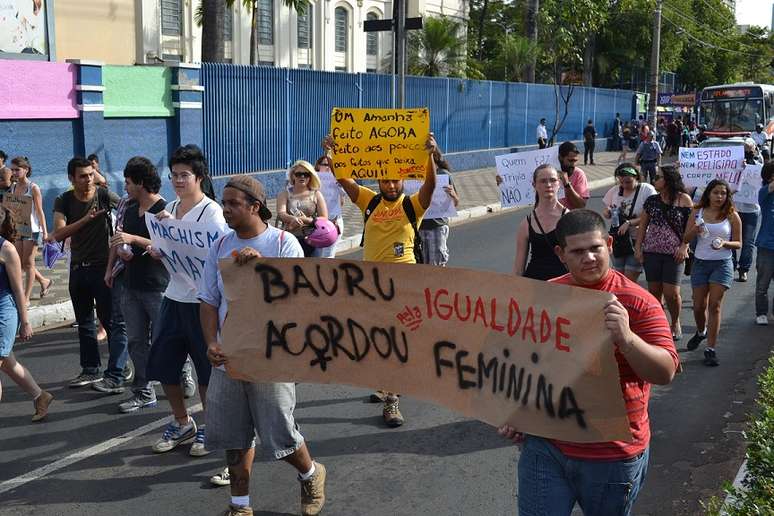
[87,290]
[141,311]
[749,225]
[765,268]
[118,345]
[550,483]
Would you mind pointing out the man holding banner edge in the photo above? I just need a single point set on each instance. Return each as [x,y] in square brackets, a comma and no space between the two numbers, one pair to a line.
[387,224]
[604,478]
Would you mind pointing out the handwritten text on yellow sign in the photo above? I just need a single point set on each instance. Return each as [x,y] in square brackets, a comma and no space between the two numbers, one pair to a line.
[380,143]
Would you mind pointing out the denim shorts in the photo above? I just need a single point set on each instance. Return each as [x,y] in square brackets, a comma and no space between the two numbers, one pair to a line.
[627,263]
[238,410]
[550,483]
[36,237]
[705,272]
[9,324]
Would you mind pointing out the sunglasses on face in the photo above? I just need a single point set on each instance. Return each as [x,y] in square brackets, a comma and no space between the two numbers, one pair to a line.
[302,174]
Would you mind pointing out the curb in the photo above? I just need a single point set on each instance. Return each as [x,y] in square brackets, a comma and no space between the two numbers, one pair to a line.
[52,316]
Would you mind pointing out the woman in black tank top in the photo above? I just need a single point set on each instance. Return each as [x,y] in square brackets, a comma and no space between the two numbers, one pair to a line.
[536,235]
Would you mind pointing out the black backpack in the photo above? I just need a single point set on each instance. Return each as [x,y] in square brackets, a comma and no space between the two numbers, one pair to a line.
[408,208]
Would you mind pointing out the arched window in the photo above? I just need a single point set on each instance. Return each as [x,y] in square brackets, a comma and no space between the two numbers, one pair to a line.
[342,29]
[372,38]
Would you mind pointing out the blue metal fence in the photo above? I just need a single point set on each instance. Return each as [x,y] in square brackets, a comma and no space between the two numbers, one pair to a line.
[263,118]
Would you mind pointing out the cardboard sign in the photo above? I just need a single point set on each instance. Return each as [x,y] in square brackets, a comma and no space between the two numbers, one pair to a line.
[331,193]
[516,172]
[378,144]
[184,244]
[21,208]
[496,347]
[699,166]
[441,206]
[749,185]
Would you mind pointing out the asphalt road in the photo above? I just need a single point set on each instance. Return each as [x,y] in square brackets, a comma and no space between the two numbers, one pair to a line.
[87,459]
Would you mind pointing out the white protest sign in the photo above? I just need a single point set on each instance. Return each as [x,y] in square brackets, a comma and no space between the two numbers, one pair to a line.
[441,206]
[699,166]
[749,185]
[516,172]
[331,192]
[184,244]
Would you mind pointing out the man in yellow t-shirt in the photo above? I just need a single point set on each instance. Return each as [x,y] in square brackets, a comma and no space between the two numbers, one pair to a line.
[389,236]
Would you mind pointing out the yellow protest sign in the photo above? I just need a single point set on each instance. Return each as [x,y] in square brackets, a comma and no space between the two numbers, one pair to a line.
[373,143]
[21,208]
[499,348]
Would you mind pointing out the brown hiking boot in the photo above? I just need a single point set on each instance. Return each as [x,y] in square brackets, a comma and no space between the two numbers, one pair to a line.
[41,405]
[237,510]
[313,492]
[391,413]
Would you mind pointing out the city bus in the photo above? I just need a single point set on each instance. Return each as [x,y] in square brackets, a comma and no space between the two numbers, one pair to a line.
[735,109]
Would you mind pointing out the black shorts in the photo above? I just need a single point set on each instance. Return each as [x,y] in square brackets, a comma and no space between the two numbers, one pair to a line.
[662,268]
[179,334]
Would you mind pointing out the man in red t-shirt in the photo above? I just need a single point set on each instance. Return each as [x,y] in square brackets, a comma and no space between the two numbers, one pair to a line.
[604,478]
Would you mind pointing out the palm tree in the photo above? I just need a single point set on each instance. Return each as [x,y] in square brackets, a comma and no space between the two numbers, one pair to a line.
[437,49]
[514,56]
[252,6]
[212,18]
[533,6]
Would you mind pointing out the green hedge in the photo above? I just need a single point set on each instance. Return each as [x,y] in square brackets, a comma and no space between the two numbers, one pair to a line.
[757,495]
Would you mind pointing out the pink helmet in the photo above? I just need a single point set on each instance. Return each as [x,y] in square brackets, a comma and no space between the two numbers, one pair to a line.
[324,233]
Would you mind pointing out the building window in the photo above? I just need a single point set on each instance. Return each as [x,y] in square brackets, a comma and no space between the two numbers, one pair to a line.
[305,28]
[342,26]
[372,38]
[266,22]
[228,25]
[171,17]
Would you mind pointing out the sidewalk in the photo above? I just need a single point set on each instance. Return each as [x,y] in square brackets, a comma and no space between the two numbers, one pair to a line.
[479,197]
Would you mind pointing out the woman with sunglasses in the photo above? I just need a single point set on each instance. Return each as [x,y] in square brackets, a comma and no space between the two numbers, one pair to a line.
[536,235]
[626,200]
[659,245]
[718,229]
[301,203]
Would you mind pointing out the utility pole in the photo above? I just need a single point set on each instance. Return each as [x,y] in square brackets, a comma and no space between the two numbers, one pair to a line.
[654,65]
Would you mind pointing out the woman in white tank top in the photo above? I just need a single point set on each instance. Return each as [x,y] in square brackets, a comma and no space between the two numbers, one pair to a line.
[717,229]
[27,246]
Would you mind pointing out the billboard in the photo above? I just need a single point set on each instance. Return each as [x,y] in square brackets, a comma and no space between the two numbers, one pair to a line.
[25,28]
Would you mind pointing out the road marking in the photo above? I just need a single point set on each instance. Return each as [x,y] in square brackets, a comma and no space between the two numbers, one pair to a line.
[86,453]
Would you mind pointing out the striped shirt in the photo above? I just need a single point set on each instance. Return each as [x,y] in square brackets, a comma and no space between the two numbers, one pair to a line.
[648,321]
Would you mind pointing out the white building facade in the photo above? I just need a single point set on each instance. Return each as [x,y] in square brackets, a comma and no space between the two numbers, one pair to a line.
[328,36]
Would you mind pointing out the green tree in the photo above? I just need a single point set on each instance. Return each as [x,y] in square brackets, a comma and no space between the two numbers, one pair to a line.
[437,49]
[516,54]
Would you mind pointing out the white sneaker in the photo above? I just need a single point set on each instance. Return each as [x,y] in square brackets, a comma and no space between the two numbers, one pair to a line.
[175,434]
[221,479]
[762,320]
[197,448]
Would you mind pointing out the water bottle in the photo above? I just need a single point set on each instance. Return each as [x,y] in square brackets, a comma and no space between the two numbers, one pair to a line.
[614,222]
[703,229]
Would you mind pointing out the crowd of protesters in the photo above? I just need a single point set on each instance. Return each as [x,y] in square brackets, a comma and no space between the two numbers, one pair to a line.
[158,329]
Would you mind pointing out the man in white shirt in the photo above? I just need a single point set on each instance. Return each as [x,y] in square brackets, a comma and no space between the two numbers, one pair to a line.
[542,134]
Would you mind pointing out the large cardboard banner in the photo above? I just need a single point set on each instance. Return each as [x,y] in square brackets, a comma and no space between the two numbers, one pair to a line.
[495,347]
[184,244]
[441,205]
[699,166]
[373,143]
[516,172]
[21,208]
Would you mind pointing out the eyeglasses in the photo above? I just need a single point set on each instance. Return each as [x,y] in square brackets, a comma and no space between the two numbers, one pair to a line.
[185,176]
[302,174]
